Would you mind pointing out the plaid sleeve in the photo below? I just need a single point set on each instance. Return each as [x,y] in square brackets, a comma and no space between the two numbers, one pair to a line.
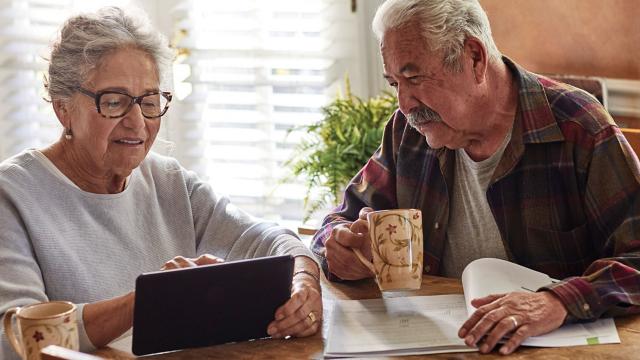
[611,285]
[373,186]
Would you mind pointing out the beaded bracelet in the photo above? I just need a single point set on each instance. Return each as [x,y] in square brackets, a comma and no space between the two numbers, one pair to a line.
[303,271]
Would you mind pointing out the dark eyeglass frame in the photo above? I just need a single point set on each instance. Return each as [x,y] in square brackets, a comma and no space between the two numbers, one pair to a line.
[134,100]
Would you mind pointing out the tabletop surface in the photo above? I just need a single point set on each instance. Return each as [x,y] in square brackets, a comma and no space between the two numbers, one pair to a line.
[312,347]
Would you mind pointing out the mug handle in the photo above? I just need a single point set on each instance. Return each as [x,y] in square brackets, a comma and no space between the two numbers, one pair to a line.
[364,260]
[8,329]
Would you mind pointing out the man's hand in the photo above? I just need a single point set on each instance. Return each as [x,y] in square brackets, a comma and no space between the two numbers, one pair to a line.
[519,313]
[341,259]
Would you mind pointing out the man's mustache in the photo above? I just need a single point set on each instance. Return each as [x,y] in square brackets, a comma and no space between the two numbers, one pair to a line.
[423,116]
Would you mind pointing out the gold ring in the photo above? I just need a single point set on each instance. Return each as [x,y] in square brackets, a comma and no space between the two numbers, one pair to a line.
[312,317]
[514,321]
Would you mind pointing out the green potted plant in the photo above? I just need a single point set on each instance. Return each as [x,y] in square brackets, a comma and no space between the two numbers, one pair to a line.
[339,145]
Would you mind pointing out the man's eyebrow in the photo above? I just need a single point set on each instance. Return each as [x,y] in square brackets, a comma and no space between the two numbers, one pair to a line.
[410,67]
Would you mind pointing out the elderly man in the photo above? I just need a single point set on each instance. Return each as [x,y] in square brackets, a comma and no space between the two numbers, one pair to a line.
[503,163]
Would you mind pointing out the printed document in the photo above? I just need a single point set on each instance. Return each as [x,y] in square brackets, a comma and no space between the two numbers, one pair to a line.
[429,324]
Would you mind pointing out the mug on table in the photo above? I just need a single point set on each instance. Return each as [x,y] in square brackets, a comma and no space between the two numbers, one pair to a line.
[40,325]
[396,246]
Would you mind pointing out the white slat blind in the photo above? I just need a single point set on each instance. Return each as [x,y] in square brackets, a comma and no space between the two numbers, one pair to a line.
[256,69]
[25,30]
[27,27]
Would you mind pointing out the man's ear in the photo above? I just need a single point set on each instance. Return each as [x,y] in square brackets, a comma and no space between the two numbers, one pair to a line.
[475,55]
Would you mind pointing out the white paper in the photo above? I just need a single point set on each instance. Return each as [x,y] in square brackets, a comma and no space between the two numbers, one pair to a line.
[487,276]
[404,325]
[430,324]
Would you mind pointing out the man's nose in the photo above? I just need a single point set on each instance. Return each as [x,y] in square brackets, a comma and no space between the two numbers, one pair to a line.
[406,100]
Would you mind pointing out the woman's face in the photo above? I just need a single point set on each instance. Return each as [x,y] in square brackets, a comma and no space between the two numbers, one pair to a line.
[114,146]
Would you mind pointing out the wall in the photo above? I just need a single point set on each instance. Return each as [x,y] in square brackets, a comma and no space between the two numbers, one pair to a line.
[581,37]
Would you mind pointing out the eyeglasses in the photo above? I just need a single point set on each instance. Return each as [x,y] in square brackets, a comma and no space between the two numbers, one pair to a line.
[115,104]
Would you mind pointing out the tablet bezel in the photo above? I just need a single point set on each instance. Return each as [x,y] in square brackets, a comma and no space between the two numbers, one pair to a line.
[183,308]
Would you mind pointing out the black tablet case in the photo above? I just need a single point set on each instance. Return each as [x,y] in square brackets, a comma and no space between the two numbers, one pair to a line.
[207,305]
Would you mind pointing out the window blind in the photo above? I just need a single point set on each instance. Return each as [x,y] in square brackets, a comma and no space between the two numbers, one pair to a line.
[252,71]
[27,27]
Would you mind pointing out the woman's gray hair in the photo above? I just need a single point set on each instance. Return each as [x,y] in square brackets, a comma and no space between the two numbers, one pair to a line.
[86,39]
[444,24]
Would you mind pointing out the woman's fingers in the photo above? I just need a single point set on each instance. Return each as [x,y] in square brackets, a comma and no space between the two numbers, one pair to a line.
[178,262]
[301,315]
[207,259]
[183,262]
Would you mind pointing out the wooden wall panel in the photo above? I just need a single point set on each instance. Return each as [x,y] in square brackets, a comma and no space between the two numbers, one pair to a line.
[581,37]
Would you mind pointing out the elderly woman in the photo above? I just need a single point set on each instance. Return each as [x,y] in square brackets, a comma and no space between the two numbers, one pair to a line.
[82,218]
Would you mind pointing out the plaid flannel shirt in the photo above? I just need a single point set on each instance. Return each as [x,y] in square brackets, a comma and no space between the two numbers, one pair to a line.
[565,196]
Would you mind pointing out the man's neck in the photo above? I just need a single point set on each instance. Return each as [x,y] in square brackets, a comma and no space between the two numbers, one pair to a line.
[500,106]
[80,170]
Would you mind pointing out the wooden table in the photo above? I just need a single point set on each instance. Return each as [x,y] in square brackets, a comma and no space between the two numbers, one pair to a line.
[312,347]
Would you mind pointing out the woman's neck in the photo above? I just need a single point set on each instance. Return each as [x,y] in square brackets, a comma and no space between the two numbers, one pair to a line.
[82,171]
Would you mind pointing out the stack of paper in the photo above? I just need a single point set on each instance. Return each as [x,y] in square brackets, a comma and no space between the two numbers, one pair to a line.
[430,324]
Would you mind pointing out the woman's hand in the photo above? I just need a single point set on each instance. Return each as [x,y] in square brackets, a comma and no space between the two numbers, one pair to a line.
[301,315]
[183,262]
[519,313]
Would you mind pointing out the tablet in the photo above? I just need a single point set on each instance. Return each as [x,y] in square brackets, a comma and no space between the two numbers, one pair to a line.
[207,305]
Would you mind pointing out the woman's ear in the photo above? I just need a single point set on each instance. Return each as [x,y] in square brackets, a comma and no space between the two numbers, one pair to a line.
[62,110]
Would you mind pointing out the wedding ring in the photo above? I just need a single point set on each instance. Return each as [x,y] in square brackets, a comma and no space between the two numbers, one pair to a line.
[312,317]
[514,321]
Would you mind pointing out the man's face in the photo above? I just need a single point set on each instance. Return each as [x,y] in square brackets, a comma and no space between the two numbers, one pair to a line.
[436,101]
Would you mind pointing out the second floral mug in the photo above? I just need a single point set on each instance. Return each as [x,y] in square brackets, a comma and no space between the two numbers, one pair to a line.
[396,246]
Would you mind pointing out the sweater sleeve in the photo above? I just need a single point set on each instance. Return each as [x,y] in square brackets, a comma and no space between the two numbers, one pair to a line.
[21,281]
[224,230]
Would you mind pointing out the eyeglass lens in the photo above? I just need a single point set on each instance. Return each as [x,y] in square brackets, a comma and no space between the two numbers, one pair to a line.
[116,105]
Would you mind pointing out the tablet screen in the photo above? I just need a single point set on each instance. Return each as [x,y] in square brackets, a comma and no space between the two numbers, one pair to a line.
[207,305]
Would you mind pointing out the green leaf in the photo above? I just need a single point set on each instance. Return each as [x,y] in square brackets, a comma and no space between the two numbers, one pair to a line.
[339,145]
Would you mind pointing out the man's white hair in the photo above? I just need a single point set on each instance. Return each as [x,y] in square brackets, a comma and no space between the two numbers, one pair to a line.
[444,24]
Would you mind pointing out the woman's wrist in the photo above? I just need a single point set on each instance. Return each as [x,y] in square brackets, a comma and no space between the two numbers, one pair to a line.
[307,273]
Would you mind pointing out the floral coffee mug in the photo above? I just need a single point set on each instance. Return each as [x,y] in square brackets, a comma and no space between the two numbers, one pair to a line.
[396,245]
[41,325]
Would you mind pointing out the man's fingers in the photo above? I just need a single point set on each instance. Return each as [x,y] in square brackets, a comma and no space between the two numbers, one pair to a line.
[486,300]
[476,317]
[516,339]
[360,227]
[502,328]
[363,213]
[347,238]
[343,262]
[484,325]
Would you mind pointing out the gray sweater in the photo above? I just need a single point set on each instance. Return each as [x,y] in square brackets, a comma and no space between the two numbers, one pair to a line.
[58,242]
